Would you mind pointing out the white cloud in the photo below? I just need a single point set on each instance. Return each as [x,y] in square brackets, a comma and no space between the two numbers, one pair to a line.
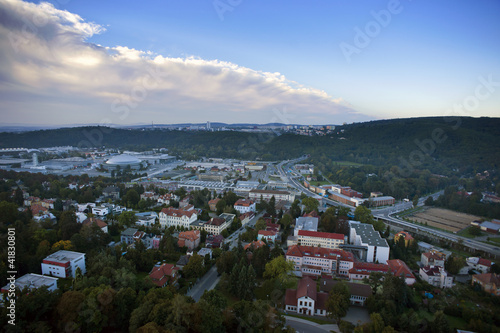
[46,57]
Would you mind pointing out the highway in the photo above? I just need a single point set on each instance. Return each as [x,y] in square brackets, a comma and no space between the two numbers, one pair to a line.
[387,213]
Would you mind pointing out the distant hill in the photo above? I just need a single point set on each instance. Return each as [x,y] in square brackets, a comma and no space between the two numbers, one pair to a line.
[443,143]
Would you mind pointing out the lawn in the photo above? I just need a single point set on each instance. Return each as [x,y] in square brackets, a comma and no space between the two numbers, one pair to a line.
[466,233]
[456,322]
[494,240]
[314,320]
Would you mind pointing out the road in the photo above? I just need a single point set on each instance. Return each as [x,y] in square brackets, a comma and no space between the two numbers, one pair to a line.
[306,326]
[210,279]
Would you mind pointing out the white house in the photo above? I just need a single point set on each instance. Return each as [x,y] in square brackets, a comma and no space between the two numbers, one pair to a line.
[318,261]
[436,276]
[306,299]
[177,217]
[268,235]
[244,206]
[322,239]
[63,264]
[100,211]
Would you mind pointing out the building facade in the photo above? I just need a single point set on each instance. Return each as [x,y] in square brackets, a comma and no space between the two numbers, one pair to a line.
[63,264]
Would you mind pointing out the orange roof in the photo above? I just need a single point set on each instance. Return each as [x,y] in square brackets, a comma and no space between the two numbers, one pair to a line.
[244,203]
[312,251]
[367,268]
[484,262]
[404,234]
[398,267]
[160,275]
[191,235]
[487,278]
[321,234]
[92,220]
[267,233]
[255,244]
[214,201]
[177,212]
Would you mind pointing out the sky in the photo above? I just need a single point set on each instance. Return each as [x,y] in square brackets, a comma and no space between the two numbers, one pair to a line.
[68,62]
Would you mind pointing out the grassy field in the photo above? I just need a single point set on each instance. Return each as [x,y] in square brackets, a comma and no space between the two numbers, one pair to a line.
[444,219]
[314,320]
[466,233]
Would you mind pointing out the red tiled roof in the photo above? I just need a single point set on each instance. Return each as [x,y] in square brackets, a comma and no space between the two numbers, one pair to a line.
[398,267]
[160,275]
[191,235]
[217,221]
[306,287]
[367,268]
[484,262]
[404,234]
[291,297]
[37,209]
[91,220]
[488,278]
[244,203]
[267,233]
[256,244]
[318,234]
[214,201]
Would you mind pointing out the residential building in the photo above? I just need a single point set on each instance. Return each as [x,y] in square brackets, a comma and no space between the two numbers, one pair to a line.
[399,268]
[127,236]
[204,251]
[184,202]
[151,241]
[167,198]
[268,235]
[214,241]
[306,299]
[164,274]
[64,264]
[489,282]
[183,261]
[322,239]
[33,281]
[318,261]
[212,204]
[436,276]
[359,292]
[480,264]
[432,258]
[363,235]
[244,206]
[177,217]
[255,245]
[100,211]
[189,239]
[256,194]
[217,224]
[100,223]
[246,217]
[149,195]
[406,236]
[361,270]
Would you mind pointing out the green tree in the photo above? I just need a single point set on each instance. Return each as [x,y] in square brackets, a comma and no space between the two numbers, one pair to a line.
[310,204]
[131,199]
[127,218]
[338,301]
[363,214]
[278,268]
[375,280]
[194,267]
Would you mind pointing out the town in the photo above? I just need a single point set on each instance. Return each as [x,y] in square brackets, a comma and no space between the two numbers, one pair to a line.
[107,236]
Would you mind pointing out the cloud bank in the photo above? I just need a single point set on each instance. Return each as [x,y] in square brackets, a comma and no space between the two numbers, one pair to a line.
[51,73]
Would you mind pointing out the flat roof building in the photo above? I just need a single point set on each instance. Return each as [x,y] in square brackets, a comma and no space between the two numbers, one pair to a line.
[33,281]
[64,264]
[364,235]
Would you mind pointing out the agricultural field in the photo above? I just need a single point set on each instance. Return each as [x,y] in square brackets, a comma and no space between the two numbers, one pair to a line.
[444,219]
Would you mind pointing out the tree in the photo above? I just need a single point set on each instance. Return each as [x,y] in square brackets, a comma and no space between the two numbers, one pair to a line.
[375,280]
[131,199]
[221,204]
[363,215]
[429,201]
[415,200]
[310,204]
[127,218]
[194,267]
[68,225]
[271,206]
[338,301]
[454,264]
[278,268]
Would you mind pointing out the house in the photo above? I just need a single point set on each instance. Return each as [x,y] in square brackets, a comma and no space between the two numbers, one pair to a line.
[268,235]
[100,211]
[205,251]
[305,223]
[127,236]
[255,245]
[63,264]
[184,202]
[436,276]
[85,207]
[306,299]
[489,282]
[48,203]
[406,236]
[162,275]
[432,258]
[246,217]
[213,204]
[214,241]
[217,224]
[361,270]
[183,261]
[189,239]
[480,264]
[244,206]
[359,292]
[100,223]
[363,235]
[322,239]
[319,261]
[151,241]
[149,195]
[177,217]
[167,198]
[38,209]
[111,192]
[399,268]
[33,281]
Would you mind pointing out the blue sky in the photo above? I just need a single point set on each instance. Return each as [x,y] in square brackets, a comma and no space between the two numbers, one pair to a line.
[248,61]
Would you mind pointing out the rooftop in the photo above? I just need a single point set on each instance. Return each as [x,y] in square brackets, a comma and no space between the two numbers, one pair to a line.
[32,281]
[318,234]
[368,234]
[64,256]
